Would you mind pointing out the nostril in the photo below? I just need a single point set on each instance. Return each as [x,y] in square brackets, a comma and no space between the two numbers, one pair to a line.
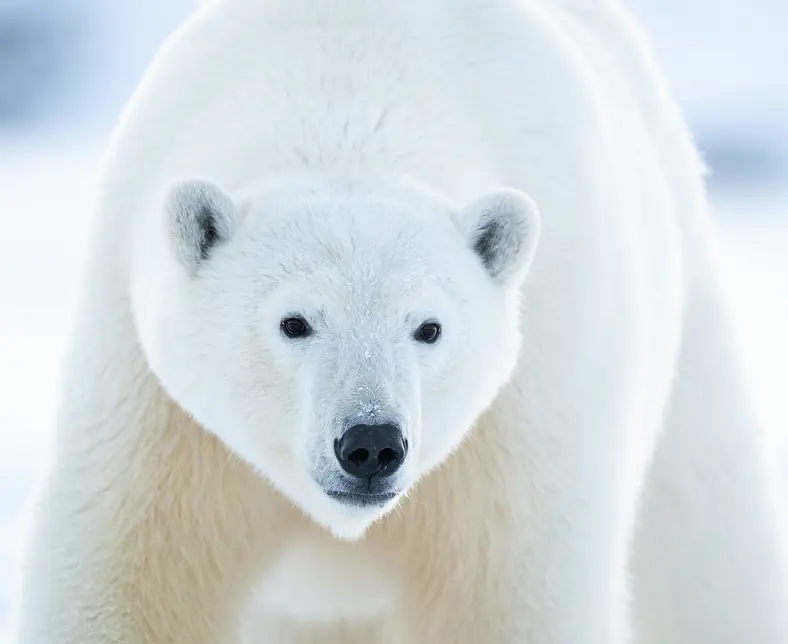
[387,456]
[358,457]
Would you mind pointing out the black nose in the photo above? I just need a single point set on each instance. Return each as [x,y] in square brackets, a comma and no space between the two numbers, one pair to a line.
[371,450]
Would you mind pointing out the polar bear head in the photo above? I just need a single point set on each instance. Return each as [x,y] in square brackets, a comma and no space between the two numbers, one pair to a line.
[342,340]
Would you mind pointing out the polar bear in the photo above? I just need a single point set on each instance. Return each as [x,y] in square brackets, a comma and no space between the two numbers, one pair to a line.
[402,322]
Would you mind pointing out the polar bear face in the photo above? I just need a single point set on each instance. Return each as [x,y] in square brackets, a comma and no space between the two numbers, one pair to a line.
[341,341]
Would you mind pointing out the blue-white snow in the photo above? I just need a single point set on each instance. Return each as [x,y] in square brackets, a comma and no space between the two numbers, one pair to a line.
[721,55]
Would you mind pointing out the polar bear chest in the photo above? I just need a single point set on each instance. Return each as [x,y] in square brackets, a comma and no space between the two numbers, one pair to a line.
[321,582]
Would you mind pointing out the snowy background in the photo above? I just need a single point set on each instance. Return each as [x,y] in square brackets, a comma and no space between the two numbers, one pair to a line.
[66,67]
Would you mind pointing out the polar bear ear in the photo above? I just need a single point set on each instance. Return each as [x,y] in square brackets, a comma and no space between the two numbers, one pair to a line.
[200,218]
[502,228]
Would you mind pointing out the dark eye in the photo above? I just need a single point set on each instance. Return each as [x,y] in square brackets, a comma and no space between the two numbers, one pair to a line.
[296,327]
[429,332]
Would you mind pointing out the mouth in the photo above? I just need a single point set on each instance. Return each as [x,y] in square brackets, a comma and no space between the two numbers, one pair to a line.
[361,500]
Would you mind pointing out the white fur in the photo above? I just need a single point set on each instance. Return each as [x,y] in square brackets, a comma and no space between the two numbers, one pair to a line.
[581,432]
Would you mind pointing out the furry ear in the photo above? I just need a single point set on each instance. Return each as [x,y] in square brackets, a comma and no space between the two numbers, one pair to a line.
[200,217]
[502,228]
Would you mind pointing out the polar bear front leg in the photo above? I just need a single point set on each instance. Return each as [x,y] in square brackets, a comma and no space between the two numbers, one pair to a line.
[109,564]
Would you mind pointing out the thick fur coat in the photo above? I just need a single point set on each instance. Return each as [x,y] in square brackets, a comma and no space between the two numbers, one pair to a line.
[580,461]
